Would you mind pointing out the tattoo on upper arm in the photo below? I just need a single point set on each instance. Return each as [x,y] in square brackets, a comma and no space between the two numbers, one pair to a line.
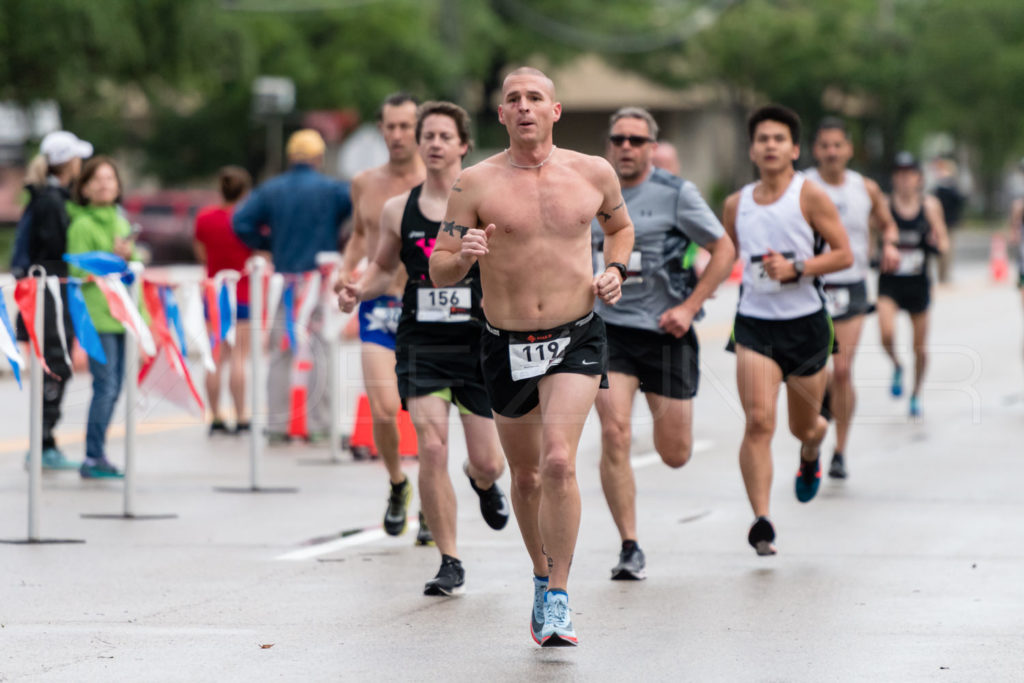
[450,228]
[606,216]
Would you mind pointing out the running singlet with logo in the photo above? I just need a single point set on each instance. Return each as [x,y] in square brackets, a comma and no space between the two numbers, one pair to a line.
[670,219]
[854,205]
[779,227]
[913,246]
[433,312]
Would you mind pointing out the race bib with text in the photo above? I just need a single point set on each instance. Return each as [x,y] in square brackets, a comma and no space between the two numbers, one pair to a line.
[443,304]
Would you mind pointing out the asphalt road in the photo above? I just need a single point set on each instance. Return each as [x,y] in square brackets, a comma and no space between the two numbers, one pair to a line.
[909,570]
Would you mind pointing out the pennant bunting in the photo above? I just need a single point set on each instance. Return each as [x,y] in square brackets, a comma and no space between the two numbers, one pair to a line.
[166,376]
[53,286]
[288,298]
[274,288]
[98,262]
[310,299]
[7,344]
[195,326]
[26,292]
[123,309]
[174,317]
[85,331]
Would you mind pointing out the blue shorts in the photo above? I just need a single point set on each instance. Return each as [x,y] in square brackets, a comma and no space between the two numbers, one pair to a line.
[378,321]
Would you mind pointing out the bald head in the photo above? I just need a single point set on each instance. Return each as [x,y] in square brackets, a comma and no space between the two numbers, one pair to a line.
[530,72]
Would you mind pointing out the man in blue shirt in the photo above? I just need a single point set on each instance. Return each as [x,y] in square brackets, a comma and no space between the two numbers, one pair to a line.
[295,216]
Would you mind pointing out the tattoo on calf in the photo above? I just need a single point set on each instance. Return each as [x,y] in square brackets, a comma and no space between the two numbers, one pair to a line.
[450,228]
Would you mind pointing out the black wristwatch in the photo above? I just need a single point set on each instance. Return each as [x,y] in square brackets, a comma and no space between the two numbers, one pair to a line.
[621,267]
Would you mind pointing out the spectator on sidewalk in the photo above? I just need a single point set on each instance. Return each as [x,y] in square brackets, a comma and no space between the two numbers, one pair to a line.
[41,240]
[217,246]
[302,210]
[98,225]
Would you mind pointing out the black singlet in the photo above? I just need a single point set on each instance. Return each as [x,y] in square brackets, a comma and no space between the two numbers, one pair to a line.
[418,236]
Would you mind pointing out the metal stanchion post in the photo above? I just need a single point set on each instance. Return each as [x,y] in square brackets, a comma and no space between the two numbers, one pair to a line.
[131,386]
[257,391]
[35,430]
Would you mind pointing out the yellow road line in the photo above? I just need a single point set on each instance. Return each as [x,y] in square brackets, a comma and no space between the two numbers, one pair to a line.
[115,432]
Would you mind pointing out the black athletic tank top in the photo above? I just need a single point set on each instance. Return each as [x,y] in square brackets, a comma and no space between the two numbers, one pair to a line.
[913,246]
[441,304]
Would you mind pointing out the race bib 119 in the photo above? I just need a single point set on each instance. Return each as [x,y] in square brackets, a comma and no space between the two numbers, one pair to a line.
[535,359]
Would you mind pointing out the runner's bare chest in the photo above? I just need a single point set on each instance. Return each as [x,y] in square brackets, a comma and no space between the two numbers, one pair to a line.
[557,203]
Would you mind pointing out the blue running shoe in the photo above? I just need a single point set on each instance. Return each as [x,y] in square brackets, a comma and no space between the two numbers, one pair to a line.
[99,468]
[915,407]
[540,587]
[808,479]
[557,630]
[897,382]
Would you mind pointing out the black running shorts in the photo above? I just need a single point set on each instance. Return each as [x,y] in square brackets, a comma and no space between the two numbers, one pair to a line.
[799,346]
[846,300]
[665,365]
[515,362]
[426,362]
[911,293]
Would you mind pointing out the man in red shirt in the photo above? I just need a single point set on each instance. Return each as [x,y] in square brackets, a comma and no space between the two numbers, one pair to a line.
[219,249]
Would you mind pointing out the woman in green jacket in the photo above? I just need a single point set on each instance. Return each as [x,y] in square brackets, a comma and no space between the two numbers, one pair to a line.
[97,225]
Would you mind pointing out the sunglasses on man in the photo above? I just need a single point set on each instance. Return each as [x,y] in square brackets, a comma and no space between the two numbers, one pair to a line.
[634,140]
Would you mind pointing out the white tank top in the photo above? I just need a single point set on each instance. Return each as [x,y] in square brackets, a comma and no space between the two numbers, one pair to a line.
[780,227]
[854,205]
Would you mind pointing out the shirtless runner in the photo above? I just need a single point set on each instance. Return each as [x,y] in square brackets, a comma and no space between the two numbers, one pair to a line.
[524,215]
[378,318]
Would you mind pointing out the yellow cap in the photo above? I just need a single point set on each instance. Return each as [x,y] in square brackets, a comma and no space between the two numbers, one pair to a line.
[305,144]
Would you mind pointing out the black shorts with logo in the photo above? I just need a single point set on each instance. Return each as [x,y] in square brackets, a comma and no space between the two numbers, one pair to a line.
[846,300]
[799,346]
[430,357]
[912,293]
[665,365]
[578,347]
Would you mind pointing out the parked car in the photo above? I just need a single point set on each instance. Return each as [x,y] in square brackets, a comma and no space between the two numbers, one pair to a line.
[166,221]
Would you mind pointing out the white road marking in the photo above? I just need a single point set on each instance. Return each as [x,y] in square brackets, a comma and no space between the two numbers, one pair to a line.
[361,538]
[372,535]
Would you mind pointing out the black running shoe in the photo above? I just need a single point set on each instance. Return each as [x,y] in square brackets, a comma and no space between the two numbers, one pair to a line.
[761,536]
[837,469]
[632,565]
[493,503]
[398,508]
[450,579]
[218,427]
[423,535]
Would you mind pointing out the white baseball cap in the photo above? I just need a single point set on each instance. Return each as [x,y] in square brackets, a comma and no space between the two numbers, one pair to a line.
[61,147]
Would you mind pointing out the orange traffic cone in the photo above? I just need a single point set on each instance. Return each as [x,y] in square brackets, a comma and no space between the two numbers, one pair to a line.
[362,431]
[362,428]
[998,263]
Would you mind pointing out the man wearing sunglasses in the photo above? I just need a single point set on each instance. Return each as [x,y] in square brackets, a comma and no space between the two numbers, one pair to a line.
[652,346]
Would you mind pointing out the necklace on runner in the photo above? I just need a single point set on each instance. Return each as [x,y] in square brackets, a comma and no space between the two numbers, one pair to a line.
[515,165]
